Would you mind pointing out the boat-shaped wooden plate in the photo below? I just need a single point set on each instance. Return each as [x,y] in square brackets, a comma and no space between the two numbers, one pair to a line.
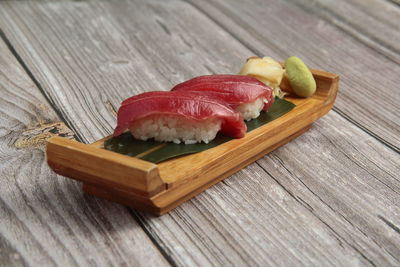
[158,188]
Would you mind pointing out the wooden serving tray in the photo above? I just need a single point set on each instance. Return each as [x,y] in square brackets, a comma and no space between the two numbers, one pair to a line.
[158,188]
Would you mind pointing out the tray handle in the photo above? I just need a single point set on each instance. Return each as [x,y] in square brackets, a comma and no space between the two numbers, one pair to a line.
[327,85]
[104,168]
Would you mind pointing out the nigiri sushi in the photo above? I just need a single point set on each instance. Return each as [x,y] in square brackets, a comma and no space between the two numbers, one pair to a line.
[178,117]
[245,94]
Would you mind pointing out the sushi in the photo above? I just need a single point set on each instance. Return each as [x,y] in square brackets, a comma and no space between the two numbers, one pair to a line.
[245,94]
[195,110]
[178,116]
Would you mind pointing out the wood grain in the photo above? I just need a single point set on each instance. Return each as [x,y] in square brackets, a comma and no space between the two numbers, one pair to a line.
[333,201]
[281,29]
[375,23]
[45,219]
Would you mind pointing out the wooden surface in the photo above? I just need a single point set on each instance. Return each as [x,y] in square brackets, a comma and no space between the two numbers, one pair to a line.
[329,198]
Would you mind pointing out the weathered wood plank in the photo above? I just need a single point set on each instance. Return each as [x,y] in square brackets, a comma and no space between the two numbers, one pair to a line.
[376,23]
[92,55]
[45,219]
[368,95]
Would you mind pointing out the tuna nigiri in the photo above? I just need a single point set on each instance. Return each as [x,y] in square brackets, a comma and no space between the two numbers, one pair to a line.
[245,94]
[178,117]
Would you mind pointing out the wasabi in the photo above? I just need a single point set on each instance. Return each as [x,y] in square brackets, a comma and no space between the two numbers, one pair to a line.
[300,77]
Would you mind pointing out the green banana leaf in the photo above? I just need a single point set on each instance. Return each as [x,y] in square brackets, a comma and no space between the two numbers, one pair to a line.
[156,152]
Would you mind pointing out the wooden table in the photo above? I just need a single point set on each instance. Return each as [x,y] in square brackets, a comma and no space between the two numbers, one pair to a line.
[329,198]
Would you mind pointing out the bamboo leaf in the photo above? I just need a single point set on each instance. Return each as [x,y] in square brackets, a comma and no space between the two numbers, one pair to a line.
[127,145]
[173,150]
[279,108]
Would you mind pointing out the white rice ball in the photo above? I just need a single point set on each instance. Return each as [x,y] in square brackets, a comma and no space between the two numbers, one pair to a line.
[177,129]
[251,110]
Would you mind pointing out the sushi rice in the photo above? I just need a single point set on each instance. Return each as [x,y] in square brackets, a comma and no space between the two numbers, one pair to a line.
[168,128]
[251,110]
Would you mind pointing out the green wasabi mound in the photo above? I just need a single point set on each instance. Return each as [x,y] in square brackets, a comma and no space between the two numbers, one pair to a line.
[300,77]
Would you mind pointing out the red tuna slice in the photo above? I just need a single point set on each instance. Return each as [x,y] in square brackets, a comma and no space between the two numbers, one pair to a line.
[233,89]
[187,104]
